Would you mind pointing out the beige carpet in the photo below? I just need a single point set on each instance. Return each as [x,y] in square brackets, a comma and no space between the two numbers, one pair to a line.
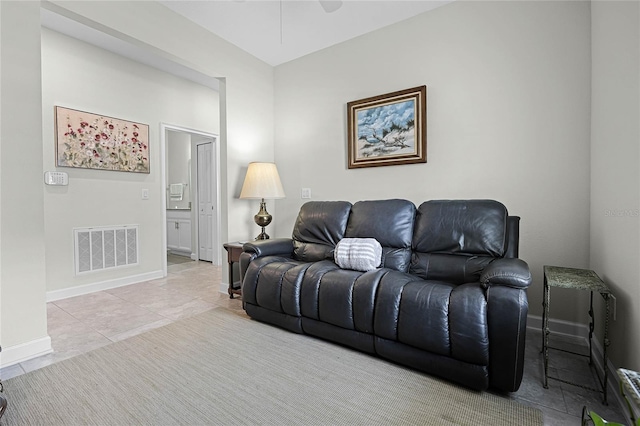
[222,368]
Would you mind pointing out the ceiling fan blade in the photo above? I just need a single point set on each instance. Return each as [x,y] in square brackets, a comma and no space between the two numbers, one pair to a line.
[330,5]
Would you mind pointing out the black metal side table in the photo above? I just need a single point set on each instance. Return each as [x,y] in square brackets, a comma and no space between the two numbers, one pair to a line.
[577,279]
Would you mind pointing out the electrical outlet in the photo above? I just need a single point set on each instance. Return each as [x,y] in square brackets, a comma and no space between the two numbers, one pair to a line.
[305,193]
[615,310]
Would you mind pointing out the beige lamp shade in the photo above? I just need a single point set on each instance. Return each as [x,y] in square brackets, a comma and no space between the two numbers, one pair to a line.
[262,181]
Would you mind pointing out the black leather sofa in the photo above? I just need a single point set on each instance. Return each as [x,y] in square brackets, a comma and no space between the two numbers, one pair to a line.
[449,300]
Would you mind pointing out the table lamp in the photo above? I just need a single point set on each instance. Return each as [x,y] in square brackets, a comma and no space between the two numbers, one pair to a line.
[262,181]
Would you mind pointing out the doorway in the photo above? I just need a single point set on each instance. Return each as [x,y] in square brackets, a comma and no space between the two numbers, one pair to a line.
[191,200]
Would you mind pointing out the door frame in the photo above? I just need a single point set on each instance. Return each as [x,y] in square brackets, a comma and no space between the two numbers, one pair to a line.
[215,161]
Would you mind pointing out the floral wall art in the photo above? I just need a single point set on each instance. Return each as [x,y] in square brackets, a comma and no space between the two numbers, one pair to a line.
[94,141]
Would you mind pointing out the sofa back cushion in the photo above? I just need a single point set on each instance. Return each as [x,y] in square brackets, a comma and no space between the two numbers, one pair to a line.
[318,228]
[391,223]
[454,240]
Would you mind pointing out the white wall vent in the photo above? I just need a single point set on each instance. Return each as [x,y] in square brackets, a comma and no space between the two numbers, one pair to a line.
[102,248]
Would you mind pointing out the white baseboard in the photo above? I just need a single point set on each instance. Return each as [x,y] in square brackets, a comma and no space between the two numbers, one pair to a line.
[224,288]
[25,351]
[101,286]
[565,330]
[572,332]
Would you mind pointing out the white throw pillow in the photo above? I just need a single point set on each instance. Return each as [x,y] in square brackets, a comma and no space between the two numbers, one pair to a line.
[359,254]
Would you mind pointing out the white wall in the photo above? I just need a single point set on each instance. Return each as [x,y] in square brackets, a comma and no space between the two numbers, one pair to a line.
[246,92]
[81,76]
[23,329]
[246,130]
[508,112]
[615,164]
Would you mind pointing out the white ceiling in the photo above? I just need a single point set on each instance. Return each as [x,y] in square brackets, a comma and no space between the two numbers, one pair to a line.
[255,26]
[280,31]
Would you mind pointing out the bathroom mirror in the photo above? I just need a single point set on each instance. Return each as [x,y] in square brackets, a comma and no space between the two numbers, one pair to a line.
[178,184]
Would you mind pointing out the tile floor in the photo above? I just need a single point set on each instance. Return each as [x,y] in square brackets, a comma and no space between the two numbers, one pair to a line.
[562,403]
[83,323]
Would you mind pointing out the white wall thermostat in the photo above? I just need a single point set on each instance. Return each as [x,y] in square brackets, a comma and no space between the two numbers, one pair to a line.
[56,178]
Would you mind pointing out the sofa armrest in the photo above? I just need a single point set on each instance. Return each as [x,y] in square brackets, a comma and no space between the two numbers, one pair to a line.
[275,247]
[513,237]
[506,272]
[507,310]
[254,249]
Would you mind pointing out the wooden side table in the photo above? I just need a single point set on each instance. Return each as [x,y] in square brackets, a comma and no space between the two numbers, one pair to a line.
[234,250]
[577,279]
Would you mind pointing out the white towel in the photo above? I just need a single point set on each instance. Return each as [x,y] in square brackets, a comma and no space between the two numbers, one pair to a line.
[175,191]
[359,254]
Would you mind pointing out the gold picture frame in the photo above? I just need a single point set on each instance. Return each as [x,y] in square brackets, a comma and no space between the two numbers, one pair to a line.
[389,129]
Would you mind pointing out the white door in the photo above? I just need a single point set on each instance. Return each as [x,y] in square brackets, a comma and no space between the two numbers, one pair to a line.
[205,202]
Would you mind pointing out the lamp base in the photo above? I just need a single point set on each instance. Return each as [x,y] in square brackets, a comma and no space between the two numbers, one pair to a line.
[263,218]
[263,235]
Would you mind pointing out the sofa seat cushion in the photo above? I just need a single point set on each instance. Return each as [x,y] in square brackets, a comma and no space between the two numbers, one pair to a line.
[452,268]
[335,297]
[434,316]
[319,291]
[346,298]
[340,297]
[274,283]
